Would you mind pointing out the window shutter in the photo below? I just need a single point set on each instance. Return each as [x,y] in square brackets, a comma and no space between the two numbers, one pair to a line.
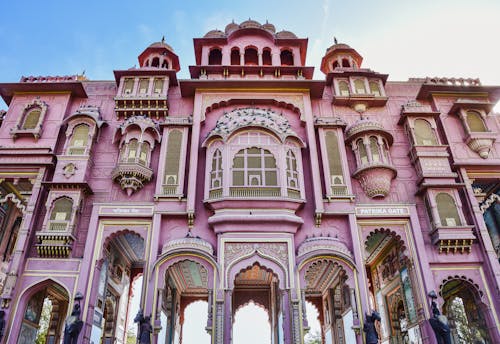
[172,160]
[333,152]
[31,119]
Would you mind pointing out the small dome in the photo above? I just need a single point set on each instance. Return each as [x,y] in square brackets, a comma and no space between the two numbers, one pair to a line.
[337,47]
[231,27]
[250,24]
[161,44]
[269,27]
[214,34]
[366,125]
[285,34]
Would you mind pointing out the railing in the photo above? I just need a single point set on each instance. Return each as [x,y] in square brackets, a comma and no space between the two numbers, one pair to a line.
[169,189]
[58,226]
[339,190]
[215,193]
[292,193]
[76,150]
[255,191]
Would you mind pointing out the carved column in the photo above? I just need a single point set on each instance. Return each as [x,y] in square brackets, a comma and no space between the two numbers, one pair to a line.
[228,316]
[219,322]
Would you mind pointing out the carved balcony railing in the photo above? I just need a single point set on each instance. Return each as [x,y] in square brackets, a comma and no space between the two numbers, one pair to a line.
[58,226]
[262,191]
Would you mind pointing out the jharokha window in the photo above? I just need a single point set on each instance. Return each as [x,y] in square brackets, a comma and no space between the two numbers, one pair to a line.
[31,119]
[447,210]
[257,165]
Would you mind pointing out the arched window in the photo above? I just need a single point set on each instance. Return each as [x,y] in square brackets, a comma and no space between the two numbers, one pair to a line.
[363,156]
[251,57]
[375,88]
[215,57]
[344,88]
[216,172]
[447,210]
[155,62]
[267,60]
[131,150]
[475,122]
[235,57]
[254,167]
[79,140]
[62,209]
[345,63]
[334,161]
[335,64]
[292,175]
[374,149]
[359,86]
[164,64]
[143,155]
[424,134]
[286,57]
[32,118]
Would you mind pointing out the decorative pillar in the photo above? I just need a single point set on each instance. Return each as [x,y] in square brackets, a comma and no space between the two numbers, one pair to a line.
[242,58]
[228,316]
[219,322]
[260,58]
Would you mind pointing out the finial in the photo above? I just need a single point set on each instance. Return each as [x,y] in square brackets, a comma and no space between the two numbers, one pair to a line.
[335,40]
[163,39]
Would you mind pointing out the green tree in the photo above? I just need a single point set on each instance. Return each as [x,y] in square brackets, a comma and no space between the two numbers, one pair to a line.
[44,322]
[313,338]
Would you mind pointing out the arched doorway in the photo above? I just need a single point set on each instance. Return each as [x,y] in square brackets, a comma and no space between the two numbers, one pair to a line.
[257,285]
[465,311]
[44,315]
[122,262]
[186,283]
[328,290]
[258,332]
[391,285]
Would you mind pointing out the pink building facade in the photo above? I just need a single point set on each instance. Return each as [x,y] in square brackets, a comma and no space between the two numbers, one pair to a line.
[250,181]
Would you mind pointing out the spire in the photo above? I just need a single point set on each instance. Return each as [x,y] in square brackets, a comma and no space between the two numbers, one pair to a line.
[163,39]
[335,40]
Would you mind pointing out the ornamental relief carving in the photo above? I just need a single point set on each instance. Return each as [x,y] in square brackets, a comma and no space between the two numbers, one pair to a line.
[296,100]
[233,251]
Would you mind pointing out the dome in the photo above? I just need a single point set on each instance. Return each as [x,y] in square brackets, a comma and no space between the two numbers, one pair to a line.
[285,35]
[161,44]
[366,125]
[231,27]
[214,34]
[250,24]
[269,27]
[338,46]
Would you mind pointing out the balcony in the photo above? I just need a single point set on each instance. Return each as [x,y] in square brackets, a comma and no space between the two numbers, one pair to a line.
[54,245]
[453,239]
[131,175]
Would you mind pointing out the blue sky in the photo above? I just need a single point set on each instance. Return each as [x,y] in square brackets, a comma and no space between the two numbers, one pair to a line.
[401,38]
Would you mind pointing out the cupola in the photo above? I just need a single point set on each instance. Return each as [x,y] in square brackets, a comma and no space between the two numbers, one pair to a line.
[159,55]
[340,55]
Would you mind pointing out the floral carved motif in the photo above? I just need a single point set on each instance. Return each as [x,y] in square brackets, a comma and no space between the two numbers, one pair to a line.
[376,182]
[278,250]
